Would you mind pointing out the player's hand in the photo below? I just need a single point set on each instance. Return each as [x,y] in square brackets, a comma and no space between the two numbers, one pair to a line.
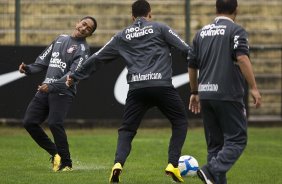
[22,68]
[256,97]
[194,104]
[43,88]
[69,81]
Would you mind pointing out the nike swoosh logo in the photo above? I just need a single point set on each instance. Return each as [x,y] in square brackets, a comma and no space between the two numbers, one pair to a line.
[121,86]
[10,77]
[120,89]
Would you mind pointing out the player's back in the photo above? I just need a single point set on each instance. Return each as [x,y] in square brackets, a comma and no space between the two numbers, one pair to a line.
[145,51]
[216,46]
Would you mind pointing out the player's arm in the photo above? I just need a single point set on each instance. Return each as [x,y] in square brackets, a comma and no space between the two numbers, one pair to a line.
[247,71]
[174,40]
[41,63]
[58,86]
[241,52]
[107,53]
[193,76]
[194,102]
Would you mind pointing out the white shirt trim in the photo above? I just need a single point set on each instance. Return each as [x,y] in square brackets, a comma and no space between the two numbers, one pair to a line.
[223,17]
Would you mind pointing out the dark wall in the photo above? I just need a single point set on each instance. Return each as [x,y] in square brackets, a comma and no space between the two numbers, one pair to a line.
[95,98]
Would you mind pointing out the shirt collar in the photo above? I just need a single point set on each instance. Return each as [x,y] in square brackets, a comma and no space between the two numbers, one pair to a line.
[140,19]
[223,17]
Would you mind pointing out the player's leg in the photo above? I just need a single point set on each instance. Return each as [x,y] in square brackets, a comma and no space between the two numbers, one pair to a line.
[213,133]
[172,106]
[233,124]
[214,138]
[135,108]
[35,114]
[59,106]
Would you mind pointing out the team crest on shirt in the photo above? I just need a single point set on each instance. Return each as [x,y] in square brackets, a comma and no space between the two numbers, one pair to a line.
[82,47]
[71,49]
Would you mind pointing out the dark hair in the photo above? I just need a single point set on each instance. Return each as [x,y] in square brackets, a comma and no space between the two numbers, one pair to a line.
[226,6]
[140,8]
[94,21]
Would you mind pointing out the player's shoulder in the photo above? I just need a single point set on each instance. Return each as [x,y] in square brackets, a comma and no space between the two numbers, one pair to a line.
[238,29]
[62,37]
[230,24]
[159,24]
[119,33]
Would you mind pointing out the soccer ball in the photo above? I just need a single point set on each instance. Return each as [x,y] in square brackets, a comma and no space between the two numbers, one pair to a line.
[188,165]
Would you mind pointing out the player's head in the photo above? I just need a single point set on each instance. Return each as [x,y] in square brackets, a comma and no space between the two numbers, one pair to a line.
[93,20]
[141,8]
[85,27]
[227,7]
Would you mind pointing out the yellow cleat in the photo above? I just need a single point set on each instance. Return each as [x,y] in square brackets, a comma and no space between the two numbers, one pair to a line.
[65,169]
[174,172]
[116,171]
[56,161]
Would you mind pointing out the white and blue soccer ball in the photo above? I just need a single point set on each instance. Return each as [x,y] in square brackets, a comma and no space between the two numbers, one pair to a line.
[188,165]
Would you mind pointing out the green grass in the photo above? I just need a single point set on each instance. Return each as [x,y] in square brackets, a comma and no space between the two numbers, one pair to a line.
[23,162]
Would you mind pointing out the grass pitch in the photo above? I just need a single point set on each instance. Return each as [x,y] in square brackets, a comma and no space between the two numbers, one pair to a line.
[23,162]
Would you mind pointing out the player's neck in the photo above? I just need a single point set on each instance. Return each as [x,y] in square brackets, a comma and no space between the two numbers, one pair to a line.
[232,16]
[148,17]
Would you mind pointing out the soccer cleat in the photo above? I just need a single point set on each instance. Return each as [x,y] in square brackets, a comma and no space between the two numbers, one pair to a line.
[205,175]
[116,171]
[174,172]
[64,168]
[56,161]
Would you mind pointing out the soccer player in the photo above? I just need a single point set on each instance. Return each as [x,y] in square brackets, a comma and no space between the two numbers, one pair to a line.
[53,98]
[145,46]
[221,54]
